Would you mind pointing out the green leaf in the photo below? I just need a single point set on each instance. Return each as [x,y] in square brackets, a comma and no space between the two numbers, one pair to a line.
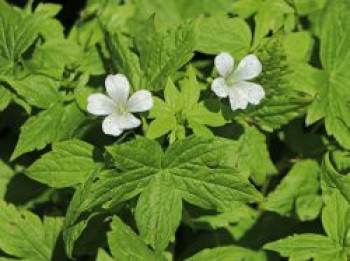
[161,126]
[246,8]
[254,155]
[124,60]
[48,9]
[219,34]
[308,207]
[17,32]
[276,112]
[237,221]
[192,169]
[298,46]
[52,57]
[103,256]
[69,163]
[73,227]
[158,211]
[333,179]
[336,218]
[210,184]
[166,53]
[54,124]
[333,99]
[229,253]
[305,246]
[306,78]
[38,90]
[126,245]
[175,11]
[182,109]
[20,228]
[6,173]
[270,16]
[301,181]
[305,7]
[160,57]
[132,155]
[205,113]
[5,97]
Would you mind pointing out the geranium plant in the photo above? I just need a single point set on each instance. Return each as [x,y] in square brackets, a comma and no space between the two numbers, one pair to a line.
[175,130]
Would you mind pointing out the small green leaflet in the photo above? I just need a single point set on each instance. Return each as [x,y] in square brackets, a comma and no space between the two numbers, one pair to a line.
[52,57]
[37,90]
[6,173]
[27,237]
[305,7]
[167,51]
[219,34]
[126,245]
[191,169]
[237,220]
[229,253]
[332,101]
[5,97]
[174,12]
[298,46]
[159,208]
[246,8]
[306,246]
[159,59]
[103,256]
[18,30]
[254,155]
[56,123]
[182,109]
[69,163]
[298,191]
[271,16]
[73,228]
[124,60]
[335,220]
[333,178]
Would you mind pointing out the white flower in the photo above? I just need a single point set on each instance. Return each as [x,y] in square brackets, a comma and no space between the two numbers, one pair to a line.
[233,82]
[118,107]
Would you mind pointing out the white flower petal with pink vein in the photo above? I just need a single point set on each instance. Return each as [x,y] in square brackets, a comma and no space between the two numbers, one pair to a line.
[118,88]
[99,104]
[140,101]
[249,68]
[224,63]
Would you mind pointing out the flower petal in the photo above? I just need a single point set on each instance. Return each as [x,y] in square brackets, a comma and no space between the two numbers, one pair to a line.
[238,100]
[99,104]
[254,92]
[249,68]
[129,121]
[111,125]
[115,123]
[220,88]
[140,101]
[224,63]
[118,88]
